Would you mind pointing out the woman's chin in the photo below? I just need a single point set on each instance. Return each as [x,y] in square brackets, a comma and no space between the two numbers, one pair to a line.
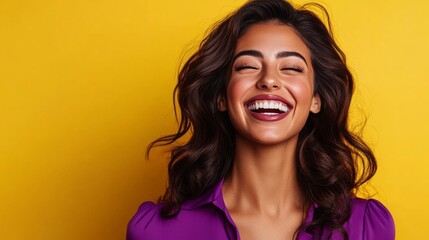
[268,139]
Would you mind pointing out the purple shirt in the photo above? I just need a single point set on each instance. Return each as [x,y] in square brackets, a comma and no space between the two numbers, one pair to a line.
[208,218]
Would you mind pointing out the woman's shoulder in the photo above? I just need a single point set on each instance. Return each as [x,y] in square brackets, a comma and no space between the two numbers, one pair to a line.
[371,220]
[147,213]
[194,221]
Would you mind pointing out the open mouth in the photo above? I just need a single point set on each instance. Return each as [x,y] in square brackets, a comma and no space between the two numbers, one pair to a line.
[268,107]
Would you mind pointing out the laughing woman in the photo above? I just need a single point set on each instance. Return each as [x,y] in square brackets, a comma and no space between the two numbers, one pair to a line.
[266,100]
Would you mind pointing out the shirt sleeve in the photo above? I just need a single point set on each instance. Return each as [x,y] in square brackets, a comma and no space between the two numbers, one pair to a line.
[378,222]
[137,227]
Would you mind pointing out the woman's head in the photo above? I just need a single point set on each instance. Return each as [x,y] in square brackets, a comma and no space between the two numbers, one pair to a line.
[270,91]
[205,76]
[327,152]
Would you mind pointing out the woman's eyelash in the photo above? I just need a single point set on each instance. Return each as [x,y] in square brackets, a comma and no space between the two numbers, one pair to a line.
[294,68]
[241,67]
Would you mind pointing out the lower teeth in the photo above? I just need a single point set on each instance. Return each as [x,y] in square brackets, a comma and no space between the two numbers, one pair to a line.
[269,113]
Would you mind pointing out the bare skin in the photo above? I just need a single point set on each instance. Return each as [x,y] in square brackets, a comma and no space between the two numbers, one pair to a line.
[262,193]
[263,196]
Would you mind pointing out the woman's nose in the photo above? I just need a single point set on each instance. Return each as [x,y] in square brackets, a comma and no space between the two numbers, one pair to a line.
[269,81]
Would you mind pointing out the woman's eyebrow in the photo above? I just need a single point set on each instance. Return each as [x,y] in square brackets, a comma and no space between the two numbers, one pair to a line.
[284,54]
[253,53]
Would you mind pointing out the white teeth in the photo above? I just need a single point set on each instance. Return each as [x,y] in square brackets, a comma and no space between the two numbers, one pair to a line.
[268,105]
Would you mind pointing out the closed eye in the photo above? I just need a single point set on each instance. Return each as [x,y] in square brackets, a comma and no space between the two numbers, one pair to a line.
[242,67]
[295,69]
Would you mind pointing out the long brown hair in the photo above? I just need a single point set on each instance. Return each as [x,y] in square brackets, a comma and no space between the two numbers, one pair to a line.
[328,153]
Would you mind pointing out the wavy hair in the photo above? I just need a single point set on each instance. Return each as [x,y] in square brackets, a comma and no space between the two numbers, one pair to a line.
[332,161]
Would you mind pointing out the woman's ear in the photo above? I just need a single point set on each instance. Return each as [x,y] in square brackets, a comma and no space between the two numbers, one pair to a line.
[221,104]
[315,104]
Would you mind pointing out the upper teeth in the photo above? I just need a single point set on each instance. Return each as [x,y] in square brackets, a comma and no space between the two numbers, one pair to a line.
[268,105]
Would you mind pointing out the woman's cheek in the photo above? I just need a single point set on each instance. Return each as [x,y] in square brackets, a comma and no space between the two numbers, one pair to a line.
[300,90]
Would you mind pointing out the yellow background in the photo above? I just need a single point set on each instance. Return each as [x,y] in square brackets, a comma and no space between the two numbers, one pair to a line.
[85,85]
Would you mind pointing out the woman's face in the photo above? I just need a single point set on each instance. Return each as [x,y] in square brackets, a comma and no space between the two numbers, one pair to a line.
[270,92]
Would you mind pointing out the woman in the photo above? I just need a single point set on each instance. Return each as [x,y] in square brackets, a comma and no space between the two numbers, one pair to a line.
[266,100]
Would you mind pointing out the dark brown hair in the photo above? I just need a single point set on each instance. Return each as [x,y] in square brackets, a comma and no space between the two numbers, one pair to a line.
[328,153]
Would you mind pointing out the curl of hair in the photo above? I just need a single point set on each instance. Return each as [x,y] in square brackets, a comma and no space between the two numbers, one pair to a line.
[328,153]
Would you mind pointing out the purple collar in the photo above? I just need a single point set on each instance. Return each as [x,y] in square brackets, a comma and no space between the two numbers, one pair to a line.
[215,197]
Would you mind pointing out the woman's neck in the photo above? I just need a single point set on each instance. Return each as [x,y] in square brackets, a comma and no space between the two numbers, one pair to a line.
[264,179]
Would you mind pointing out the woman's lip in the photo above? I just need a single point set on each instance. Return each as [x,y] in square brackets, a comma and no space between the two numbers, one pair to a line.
[268,118]
[268,97]
[265,116]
